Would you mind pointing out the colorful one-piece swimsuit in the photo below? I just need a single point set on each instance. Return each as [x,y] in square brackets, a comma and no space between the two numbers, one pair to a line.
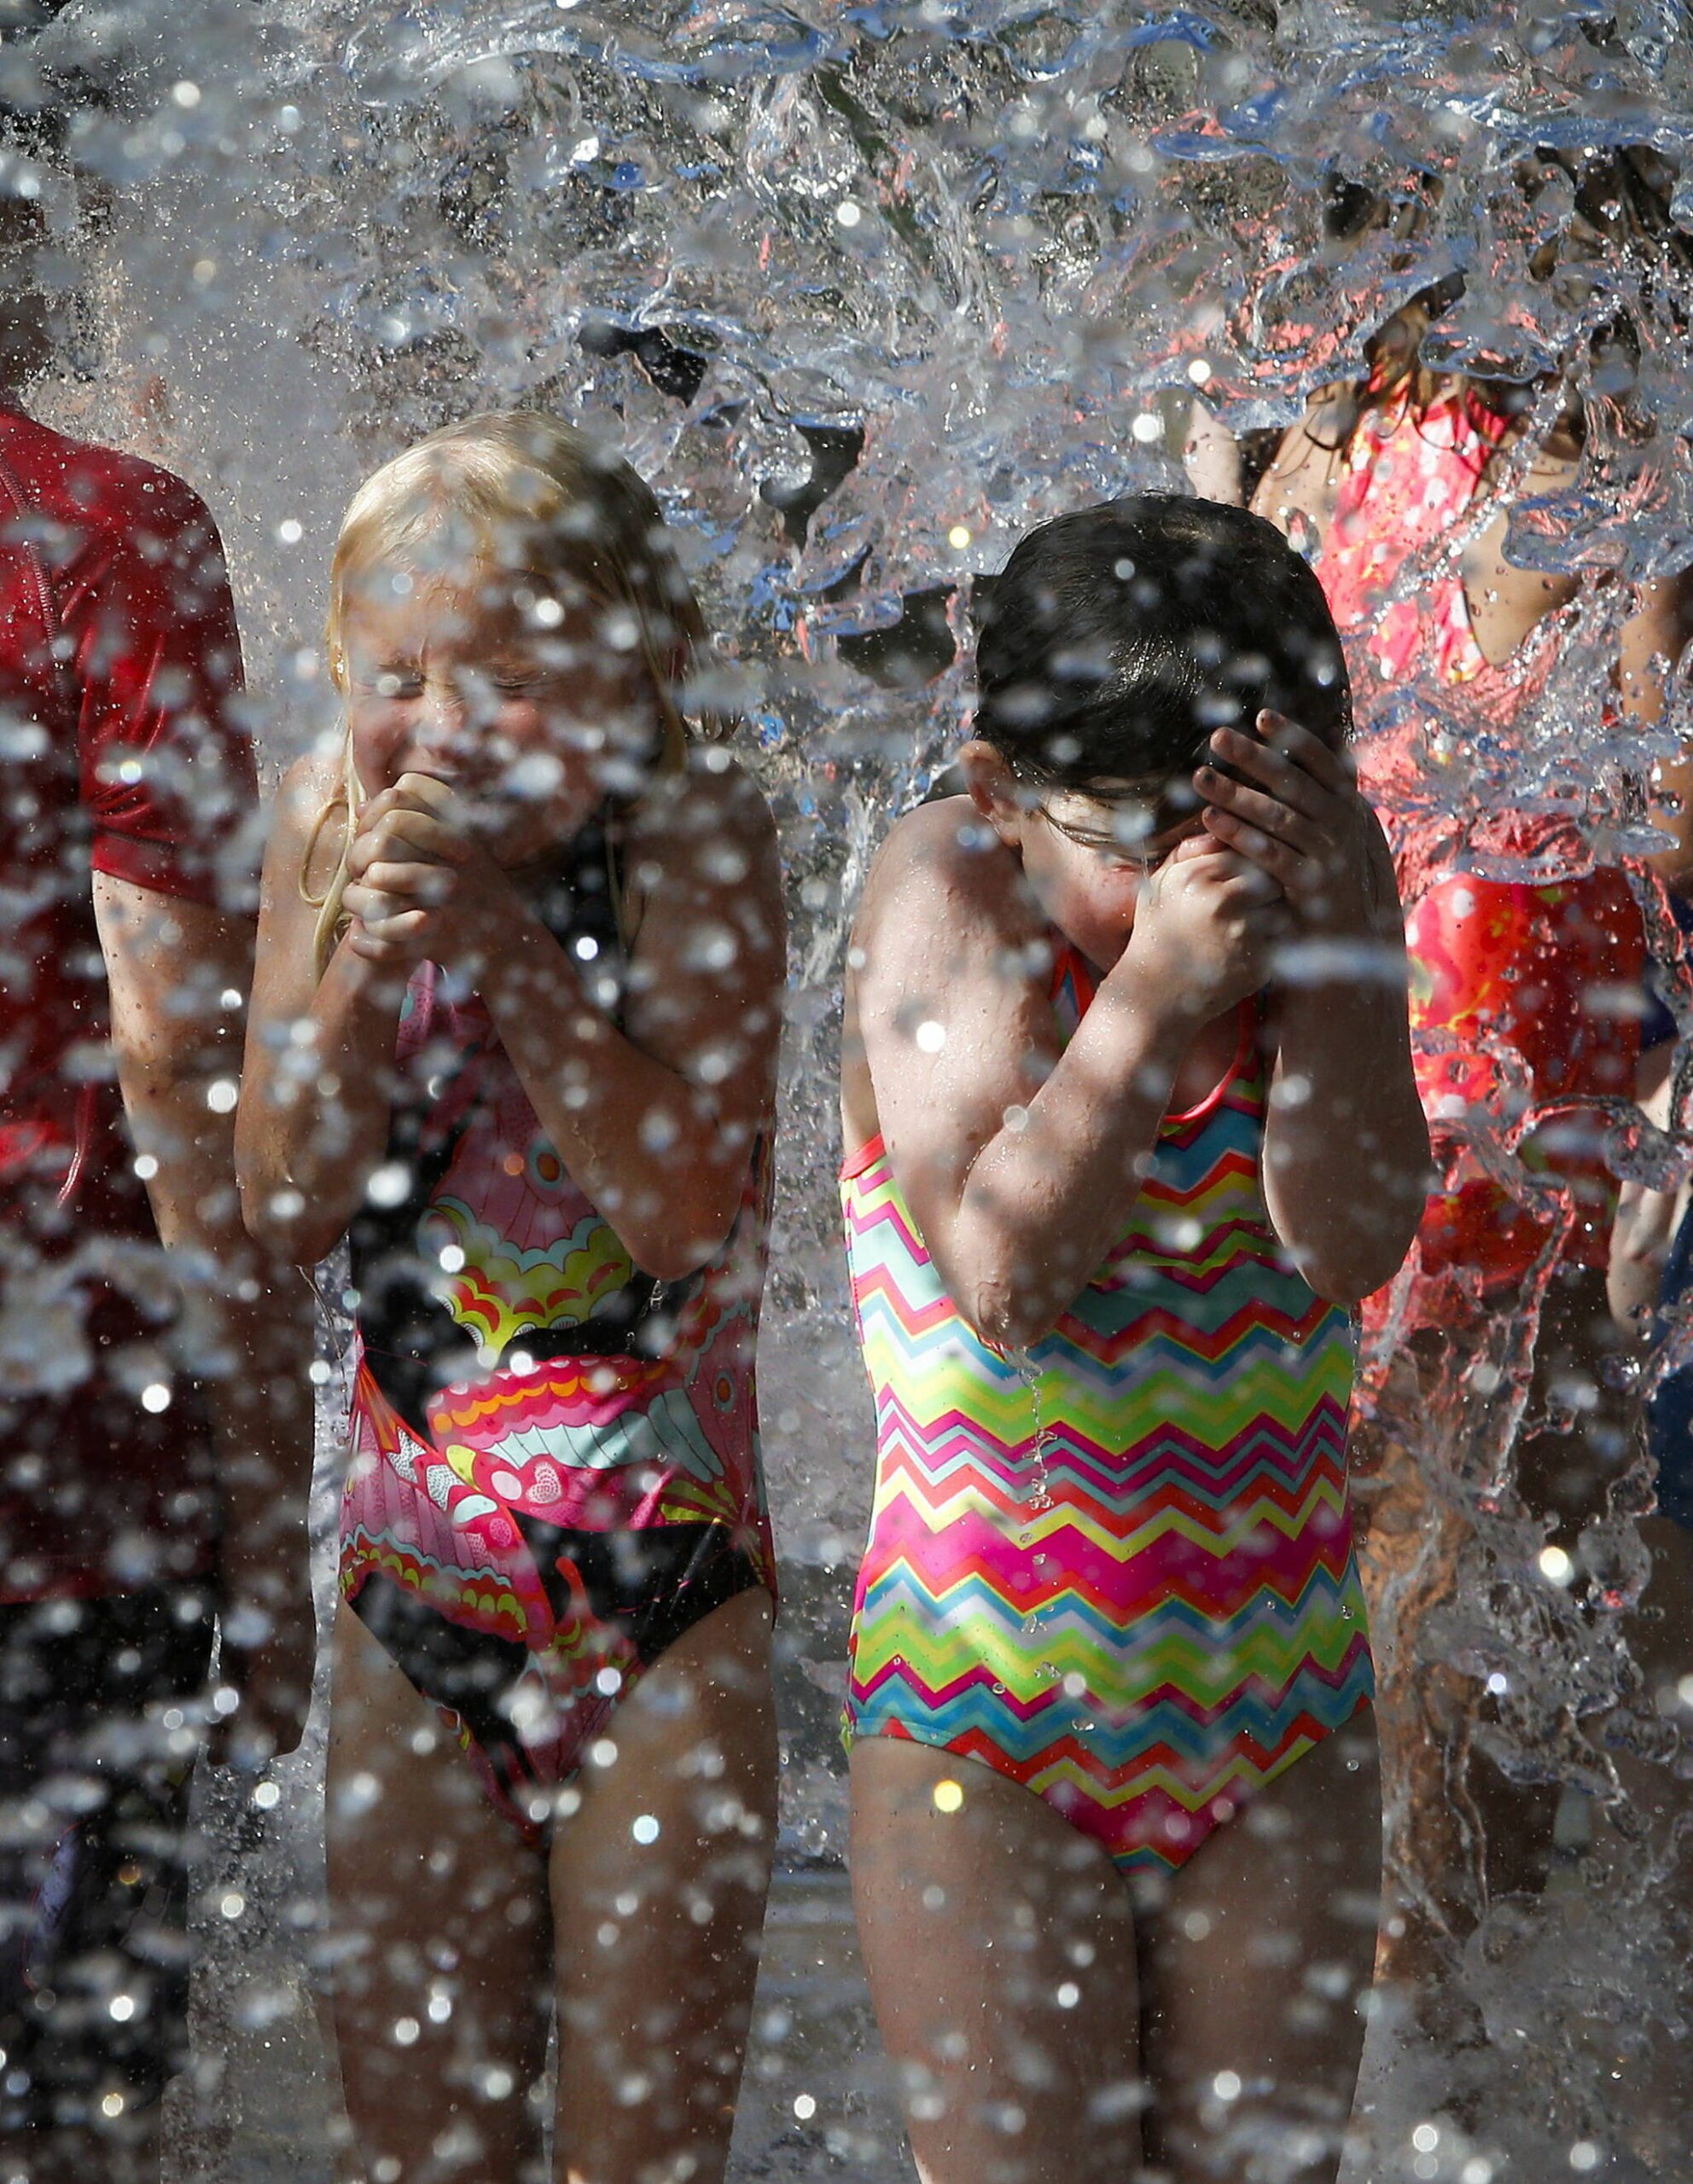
[1122,1575]
[555,1467]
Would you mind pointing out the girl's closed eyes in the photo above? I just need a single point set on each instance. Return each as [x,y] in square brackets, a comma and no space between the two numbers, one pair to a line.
[1137,843]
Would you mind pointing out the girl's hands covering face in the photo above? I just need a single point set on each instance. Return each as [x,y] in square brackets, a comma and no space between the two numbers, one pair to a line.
[423,887]
[1207,926]
[1298,817]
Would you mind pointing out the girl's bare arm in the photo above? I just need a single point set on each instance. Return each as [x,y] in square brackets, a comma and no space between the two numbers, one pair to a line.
[1211,457]
[178,971]
[1346,1145]
[1019,1163]
[1654,640]
[1346,1148]
[317,1089]
[1303,481]
[656,1121]
[1646,1220]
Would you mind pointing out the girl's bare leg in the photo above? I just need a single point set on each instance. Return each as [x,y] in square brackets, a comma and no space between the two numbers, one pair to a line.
[999,1944]
[658,1886]
[451,1909]
[1255,1965]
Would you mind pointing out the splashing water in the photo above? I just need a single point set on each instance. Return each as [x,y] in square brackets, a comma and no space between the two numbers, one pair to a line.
[1036,1489]
[867,290]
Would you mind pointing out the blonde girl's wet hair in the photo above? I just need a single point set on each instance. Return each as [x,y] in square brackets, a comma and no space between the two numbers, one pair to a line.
[518,491]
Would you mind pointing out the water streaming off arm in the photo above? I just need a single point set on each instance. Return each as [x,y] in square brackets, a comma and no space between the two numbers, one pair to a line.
[1037,1487]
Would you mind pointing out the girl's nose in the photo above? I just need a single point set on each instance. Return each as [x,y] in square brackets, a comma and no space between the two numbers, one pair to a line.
[447,708]
[444,724]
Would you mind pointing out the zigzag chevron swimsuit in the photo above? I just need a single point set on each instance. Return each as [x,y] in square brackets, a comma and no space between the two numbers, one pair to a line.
[1124,1576]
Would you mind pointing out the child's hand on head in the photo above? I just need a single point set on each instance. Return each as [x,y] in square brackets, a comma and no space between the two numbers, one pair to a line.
[422,886]
[1298,817]
[1207,925]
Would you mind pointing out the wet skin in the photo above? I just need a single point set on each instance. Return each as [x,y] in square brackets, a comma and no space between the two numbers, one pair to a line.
[30,319]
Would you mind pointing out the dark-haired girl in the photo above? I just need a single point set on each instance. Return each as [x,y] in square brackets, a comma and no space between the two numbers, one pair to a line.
[1130,1126]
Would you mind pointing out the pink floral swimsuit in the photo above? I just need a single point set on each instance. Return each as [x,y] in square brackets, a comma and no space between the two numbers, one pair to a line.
[555,1464]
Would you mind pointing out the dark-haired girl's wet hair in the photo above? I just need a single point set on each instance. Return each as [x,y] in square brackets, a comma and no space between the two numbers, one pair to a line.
[1115,639]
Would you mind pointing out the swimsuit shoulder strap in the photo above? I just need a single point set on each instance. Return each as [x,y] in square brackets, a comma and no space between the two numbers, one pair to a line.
[1072,983]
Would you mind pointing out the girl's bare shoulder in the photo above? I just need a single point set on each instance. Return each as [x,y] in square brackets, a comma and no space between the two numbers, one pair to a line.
[310,784]
[310,818]
[1305,472]
[714,799]
[946,843]
[702,842]
[943,868]
[710,826]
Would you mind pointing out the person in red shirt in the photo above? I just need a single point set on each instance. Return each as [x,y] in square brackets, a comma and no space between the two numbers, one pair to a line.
[154,1412]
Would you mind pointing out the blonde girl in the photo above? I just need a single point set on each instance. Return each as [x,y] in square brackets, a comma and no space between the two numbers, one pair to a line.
[513,1036]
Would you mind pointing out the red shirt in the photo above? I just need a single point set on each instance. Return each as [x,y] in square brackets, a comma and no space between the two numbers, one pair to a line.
[119,753]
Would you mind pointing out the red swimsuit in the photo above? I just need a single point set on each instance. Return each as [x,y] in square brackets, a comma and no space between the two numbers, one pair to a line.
[1523,990]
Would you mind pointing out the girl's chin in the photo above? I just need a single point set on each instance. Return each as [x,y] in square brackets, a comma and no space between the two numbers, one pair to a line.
[1102,949]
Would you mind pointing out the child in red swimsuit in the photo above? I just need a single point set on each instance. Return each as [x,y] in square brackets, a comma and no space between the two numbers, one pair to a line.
[1526,958]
